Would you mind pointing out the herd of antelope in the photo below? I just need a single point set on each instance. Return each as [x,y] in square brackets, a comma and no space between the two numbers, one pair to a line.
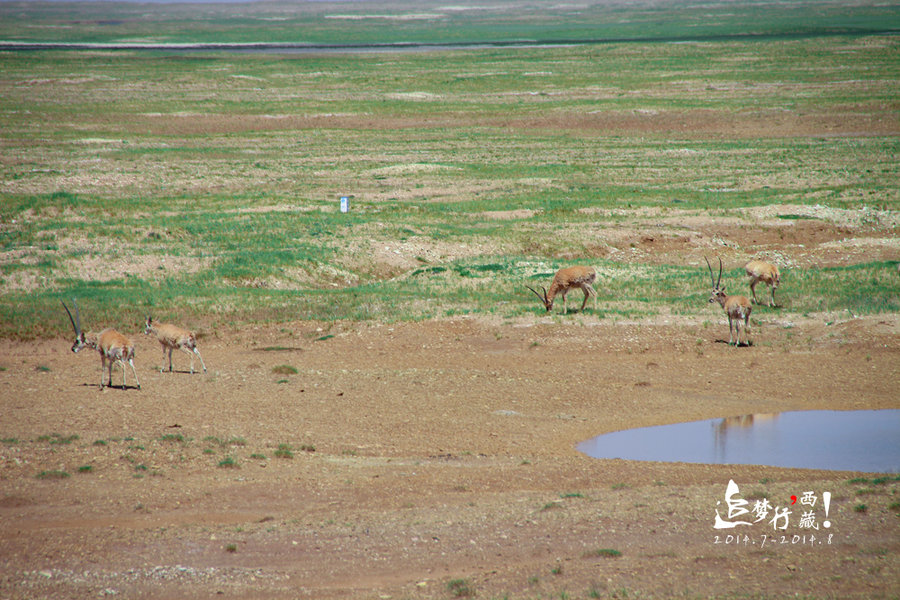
[115,347]
[737,308]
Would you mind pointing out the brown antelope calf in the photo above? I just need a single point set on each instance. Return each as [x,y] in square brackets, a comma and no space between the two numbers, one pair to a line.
[565,280]
[171,337]
[112,346]
[736,307]
[757,271]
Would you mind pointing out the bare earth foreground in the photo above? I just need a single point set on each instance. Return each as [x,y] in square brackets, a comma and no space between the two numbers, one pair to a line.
[434,460]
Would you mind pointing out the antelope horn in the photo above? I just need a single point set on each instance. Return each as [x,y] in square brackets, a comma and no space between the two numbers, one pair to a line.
[717,282]
[543,299]
[74,326]
[712,279]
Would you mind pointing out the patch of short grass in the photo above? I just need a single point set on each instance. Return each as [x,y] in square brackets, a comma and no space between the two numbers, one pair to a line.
[571,495]
[284,451]
[53,474]
[229,462]
[232,441]
[461,588]
[603,553]
[58,439]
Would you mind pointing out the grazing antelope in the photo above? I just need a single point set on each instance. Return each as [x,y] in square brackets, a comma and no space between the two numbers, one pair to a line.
[112,346]
[736,307]
[171,337]
[565,280]
[757,271]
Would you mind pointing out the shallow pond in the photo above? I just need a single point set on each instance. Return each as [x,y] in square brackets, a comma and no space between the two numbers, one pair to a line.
[859,440]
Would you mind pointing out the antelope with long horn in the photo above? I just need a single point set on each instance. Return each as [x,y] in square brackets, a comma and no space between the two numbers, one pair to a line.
[171,337]
[112,346]
[736,307]
[565,280]
[758,270]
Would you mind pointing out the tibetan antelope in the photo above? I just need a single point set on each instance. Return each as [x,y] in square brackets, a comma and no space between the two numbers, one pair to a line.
[112,346]
[565,280]
[736,307]
[757,271]
[171,337]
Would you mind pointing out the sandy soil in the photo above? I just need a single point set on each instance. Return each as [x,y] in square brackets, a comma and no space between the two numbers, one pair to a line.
[432,460]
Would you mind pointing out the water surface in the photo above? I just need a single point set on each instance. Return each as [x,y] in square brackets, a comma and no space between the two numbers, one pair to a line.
[859,440]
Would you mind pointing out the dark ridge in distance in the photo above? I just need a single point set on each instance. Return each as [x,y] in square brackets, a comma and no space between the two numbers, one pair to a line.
[351,47]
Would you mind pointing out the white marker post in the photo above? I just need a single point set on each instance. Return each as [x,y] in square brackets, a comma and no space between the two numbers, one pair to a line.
[345,204]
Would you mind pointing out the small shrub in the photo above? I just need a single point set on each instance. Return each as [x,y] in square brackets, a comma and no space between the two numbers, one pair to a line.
[860,508]
[85,469]
[284,370]
[228,463]
[231,548]
[461,588]
[172,437]
[284,451]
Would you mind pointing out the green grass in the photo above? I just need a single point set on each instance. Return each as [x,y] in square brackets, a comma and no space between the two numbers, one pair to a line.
[431,21]
[461,588]
[284,451]
[603,553]
[55,474]
[58,439]
[209,192]
[229,462]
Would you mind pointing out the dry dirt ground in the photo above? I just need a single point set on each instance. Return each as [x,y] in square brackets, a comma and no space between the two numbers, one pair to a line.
[433,460]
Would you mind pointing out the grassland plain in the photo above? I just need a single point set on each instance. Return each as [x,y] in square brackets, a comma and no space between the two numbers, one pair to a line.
[388,410]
